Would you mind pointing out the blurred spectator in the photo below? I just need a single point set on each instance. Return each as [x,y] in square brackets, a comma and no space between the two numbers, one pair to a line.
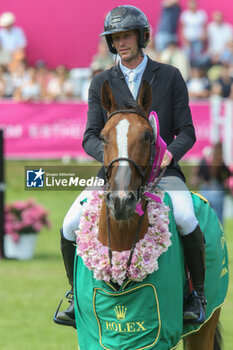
[12,41]
[230,69]
[95,69]
[168,24]
[223,86]
[193,32]
[227,55]
[103,58]
[6,83]
[60,87]
[29,90]
[219,34]
[175,56]
[198,84]
[2,81]
[19,75]
[212,175]
[79,77]
[150,50]
[43,76]
[214,72]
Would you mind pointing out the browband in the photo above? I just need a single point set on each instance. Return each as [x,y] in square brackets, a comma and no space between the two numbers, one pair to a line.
[126,111]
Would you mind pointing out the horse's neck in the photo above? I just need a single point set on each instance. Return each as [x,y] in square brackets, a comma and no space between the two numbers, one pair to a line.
[122,234]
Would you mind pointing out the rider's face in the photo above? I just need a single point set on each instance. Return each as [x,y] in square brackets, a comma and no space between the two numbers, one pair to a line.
[126,44]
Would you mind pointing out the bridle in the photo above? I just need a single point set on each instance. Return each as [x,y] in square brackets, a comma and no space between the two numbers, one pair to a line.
[142,173]
[138,168]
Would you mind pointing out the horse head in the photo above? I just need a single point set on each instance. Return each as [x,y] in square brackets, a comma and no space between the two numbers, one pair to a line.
[127,138]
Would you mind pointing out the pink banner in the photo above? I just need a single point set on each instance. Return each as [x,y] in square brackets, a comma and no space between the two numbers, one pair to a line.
[56,130]
[43,130]
[201,120]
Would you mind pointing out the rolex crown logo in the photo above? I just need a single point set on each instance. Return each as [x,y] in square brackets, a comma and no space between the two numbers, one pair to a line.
[120,312]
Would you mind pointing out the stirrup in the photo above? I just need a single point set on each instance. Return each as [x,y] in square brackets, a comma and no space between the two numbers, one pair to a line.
[202,302]
[69,296]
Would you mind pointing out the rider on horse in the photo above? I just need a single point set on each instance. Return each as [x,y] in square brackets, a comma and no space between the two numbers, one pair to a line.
[127,32]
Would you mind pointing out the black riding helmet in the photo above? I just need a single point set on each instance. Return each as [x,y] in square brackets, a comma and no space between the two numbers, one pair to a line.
[122,19]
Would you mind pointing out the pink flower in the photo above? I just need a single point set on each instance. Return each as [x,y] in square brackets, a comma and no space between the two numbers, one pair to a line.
[146,257]
[25,217]
[146,252]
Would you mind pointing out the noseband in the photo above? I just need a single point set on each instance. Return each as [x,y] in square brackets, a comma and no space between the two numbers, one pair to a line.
[138,168]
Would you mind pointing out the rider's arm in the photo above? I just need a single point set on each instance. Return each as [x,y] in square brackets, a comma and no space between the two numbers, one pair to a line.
[95,123]
[182,120]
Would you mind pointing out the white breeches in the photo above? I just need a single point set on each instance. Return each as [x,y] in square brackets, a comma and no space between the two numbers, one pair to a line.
[72,218]
[181,201]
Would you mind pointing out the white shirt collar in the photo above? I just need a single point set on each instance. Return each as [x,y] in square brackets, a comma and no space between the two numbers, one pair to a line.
[139,70]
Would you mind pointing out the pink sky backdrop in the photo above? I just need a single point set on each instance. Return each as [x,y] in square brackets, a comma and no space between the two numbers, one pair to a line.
[66,32]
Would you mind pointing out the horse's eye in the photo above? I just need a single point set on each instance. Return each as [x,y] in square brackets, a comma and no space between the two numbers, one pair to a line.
[147,137]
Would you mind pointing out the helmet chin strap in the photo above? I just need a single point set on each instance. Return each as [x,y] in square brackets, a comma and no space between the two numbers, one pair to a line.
[141,52]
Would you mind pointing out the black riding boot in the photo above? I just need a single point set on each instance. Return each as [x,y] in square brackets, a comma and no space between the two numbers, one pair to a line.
[67,317]
[194,251]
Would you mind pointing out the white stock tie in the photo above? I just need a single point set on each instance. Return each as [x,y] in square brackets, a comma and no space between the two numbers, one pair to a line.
[131,83]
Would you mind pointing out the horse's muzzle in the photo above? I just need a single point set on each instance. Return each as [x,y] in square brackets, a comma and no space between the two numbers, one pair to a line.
[122,204]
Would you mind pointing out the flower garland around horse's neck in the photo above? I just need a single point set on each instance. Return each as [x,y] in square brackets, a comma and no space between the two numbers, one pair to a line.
[146,253]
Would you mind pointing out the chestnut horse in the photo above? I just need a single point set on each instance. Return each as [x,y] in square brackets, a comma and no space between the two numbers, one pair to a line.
[124,184]
[127,141]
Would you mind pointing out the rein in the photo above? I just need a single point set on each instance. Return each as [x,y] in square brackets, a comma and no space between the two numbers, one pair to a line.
[135,238]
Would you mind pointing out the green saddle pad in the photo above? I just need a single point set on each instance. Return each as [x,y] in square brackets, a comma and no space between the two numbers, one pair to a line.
[148,314]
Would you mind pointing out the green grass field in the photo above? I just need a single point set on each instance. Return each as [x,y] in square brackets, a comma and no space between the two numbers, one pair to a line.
[30,290]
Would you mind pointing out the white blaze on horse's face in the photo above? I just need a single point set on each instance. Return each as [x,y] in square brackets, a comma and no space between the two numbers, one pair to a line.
[123,175]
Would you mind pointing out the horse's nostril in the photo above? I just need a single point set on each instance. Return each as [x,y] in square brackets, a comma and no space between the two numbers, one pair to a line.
[131,199]
[122,204]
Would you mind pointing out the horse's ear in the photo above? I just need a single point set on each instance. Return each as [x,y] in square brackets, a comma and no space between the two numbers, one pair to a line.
[107,98]
[145,97]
